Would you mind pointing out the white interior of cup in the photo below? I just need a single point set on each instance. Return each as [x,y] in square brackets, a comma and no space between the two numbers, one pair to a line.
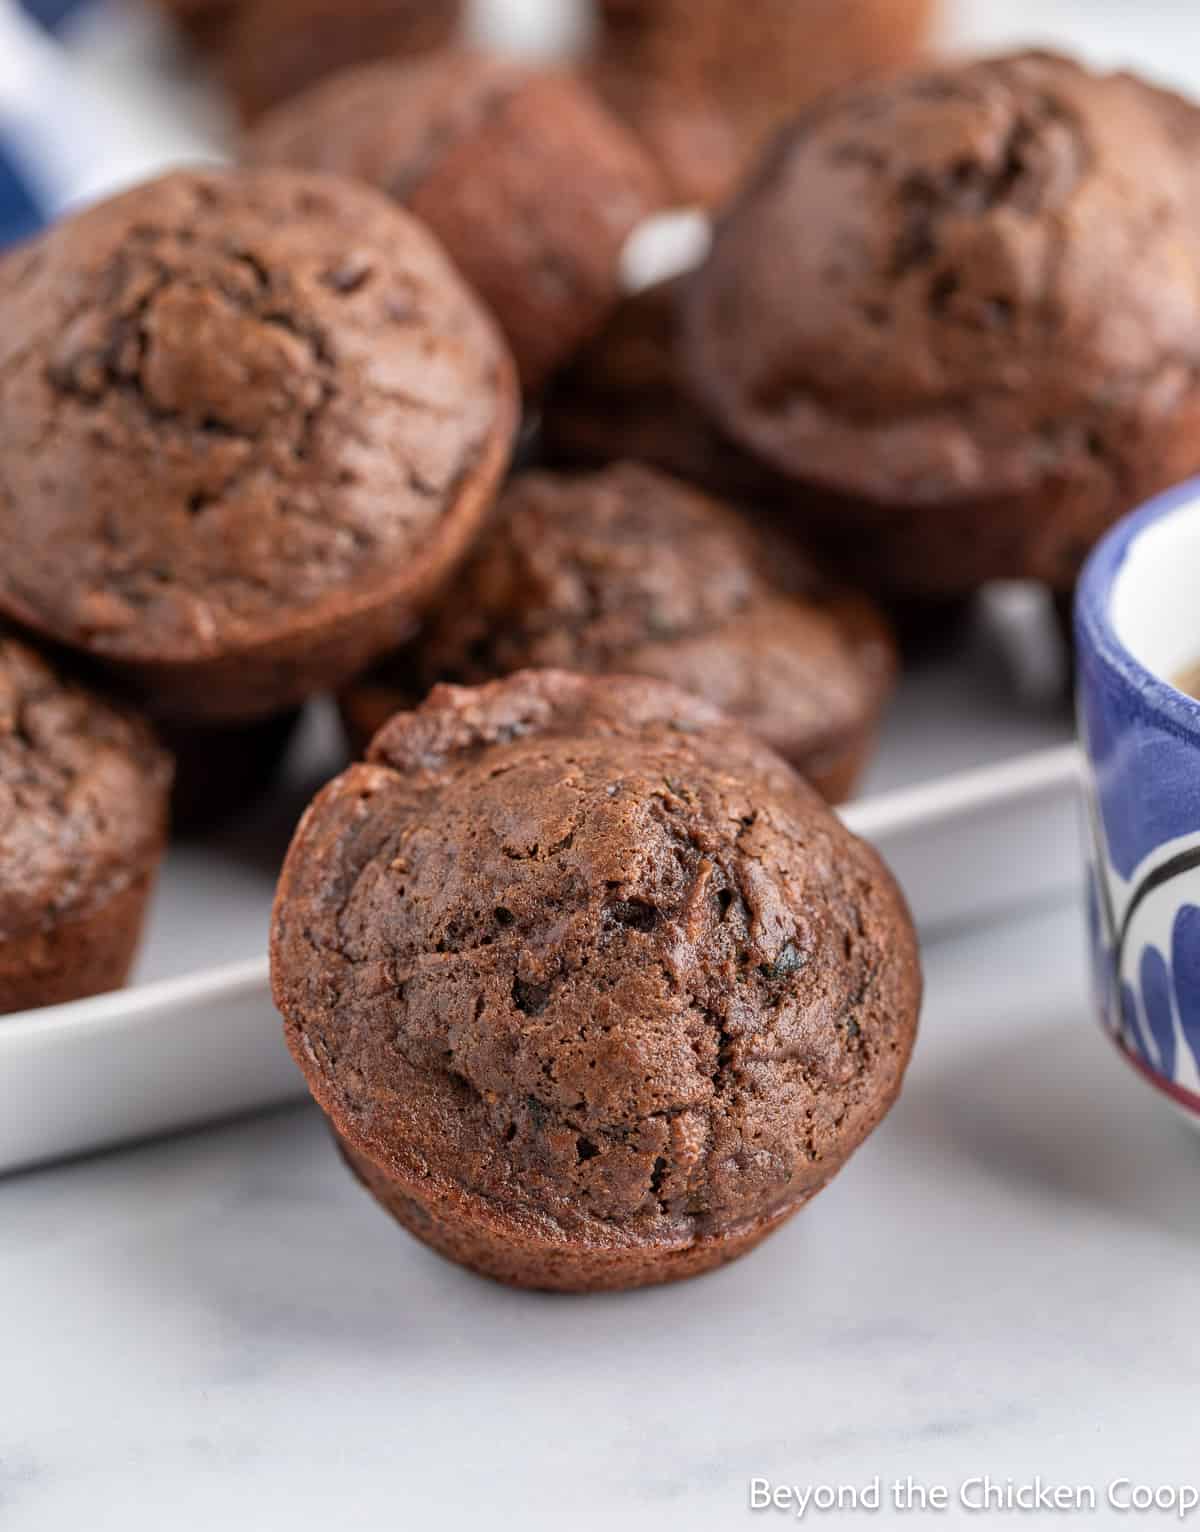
[1155,602]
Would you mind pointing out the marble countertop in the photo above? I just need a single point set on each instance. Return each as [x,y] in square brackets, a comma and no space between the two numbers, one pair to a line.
[222,1330]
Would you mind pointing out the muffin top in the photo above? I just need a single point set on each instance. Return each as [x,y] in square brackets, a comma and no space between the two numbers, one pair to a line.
[83,795]
[532,185]
[630,571]
[966,282]
[233,405]
[580,951]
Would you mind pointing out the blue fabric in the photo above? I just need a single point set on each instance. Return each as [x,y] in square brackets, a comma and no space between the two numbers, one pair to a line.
[20,215]
[51,13]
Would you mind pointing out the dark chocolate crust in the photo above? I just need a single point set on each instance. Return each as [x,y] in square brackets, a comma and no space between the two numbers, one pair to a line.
[529,182]
[706,83]
[592,986]
[965,303]
[627,571]
[83,819]
[251,420]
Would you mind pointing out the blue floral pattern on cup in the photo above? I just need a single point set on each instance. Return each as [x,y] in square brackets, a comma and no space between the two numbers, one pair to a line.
[1141,741]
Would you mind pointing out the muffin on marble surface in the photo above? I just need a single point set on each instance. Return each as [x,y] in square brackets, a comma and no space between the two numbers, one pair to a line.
[529,182]
[251,421]
[595,990]
[966,305]
[706,83]
[83,825]
[627,571]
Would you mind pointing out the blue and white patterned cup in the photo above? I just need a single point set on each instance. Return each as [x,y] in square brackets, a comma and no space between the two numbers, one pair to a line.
[1137,626]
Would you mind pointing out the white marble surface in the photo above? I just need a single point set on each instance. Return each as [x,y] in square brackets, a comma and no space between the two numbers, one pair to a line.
[223,1331]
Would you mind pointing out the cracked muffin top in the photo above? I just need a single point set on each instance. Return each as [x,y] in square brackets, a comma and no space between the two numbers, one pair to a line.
[581,955]
[237,407]
[972,281]
[83,796]
[529,181]
[628,571]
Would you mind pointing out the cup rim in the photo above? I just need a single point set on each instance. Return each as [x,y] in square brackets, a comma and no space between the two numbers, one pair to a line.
[1094,630]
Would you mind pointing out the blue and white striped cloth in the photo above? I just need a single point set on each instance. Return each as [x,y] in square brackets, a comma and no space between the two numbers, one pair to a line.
[88,104]
[26,200]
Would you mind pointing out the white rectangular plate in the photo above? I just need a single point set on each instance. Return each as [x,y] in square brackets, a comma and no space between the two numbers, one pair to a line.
[196,1036]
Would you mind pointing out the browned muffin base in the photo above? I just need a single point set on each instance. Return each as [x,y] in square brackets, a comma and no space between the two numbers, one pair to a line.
[76,957]
[535,1261]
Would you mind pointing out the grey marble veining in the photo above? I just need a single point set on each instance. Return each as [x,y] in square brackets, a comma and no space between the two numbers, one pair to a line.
[221,1330]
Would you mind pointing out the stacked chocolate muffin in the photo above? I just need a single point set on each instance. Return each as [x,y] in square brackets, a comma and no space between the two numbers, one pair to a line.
[960,315]
[531,185]
[250,425]
[629,572]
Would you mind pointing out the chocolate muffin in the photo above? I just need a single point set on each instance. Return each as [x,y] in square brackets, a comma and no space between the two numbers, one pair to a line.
[627,571]
[83,823]
[706,83]
[967,306]
[623,396]
[251,421]
[531,185]
[594,989]
[274,49]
